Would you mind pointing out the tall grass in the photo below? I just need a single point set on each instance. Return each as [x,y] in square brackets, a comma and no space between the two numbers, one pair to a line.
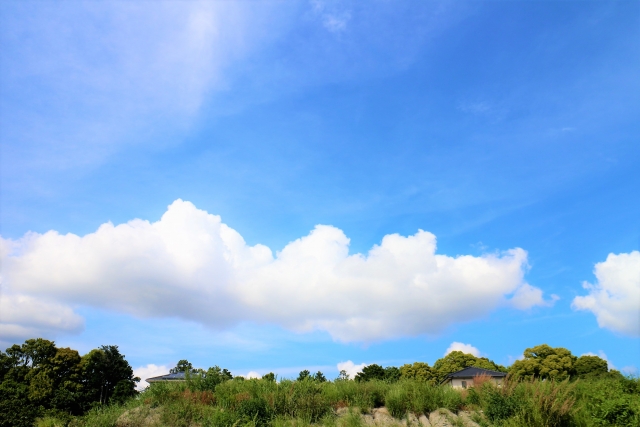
[262,403]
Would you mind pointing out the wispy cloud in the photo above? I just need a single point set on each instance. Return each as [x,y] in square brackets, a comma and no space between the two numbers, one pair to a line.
[333,15]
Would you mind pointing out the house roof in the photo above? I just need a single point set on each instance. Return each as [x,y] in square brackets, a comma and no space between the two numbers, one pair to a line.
[472,371]
[178,376]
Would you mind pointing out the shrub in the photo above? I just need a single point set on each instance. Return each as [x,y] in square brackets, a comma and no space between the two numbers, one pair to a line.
[255,409]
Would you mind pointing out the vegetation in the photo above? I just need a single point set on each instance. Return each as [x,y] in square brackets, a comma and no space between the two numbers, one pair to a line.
[37,379]
[587,394]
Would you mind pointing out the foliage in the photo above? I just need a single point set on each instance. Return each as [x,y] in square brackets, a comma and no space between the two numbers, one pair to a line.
[37,378]
[590,366]
[377,372]
[304,375]
[57,385]
[319,376]
[107,375]
[457,361]
[544,362]
[183,365]
[418,371]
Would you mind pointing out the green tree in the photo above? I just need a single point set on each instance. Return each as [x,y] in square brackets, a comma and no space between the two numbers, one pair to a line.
[343,376]
[590,366]
[392,374]
[304,375]
[371,372]
[319,377]
[103,370]
[214,376]
[543,362]
[418,371]
[457,361]
[37,376]
[271,377]
[183,365]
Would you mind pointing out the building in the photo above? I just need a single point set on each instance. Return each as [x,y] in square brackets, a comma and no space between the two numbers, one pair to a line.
[465,377]
[178,376]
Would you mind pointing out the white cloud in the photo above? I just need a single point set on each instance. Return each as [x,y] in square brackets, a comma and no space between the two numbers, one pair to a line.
[465,348]
[191,265]
[149,371]
[351,368]
[615,298]
[252,374]
[529,296]
[23,317]
[602,355]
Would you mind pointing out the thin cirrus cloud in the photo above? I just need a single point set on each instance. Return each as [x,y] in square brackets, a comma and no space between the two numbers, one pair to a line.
[146,65]
[615,297]
[191,265]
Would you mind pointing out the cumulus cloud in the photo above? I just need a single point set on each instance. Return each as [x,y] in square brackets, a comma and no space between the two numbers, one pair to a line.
[615,297]
[149,371]
[252,374]
[23,317]
[351,368]
[191,265]
[465,348]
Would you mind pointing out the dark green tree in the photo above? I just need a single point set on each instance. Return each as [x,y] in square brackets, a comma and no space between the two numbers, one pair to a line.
[371,372]
[319,377]
[103,370]
[392,374]
[304,375]
[269,377]
[590,366]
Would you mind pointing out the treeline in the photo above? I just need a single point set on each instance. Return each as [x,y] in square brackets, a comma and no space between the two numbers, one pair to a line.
[539,362]
[38,379]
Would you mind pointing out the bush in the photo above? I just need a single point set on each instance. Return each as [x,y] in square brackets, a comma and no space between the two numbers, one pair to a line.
[255,409]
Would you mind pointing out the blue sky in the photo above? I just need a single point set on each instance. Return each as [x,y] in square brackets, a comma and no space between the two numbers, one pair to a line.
[489,125]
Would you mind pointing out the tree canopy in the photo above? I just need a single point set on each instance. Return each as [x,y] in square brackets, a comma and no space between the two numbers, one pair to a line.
[457,361]
[544,361]
[377,372]
[38,377]
[418,371]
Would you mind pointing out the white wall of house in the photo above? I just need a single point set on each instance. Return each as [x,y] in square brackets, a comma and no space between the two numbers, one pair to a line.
[468,382]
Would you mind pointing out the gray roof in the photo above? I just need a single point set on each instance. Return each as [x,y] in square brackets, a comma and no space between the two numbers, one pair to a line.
[472,371]
[179,376]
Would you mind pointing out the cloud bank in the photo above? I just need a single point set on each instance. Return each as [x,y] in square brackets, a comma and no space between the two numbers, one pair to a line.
[191,265]
[615,297]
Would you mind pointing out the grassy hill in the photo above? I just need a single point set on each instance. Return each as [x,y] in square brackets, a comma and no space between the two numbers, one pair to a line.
[605,401]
